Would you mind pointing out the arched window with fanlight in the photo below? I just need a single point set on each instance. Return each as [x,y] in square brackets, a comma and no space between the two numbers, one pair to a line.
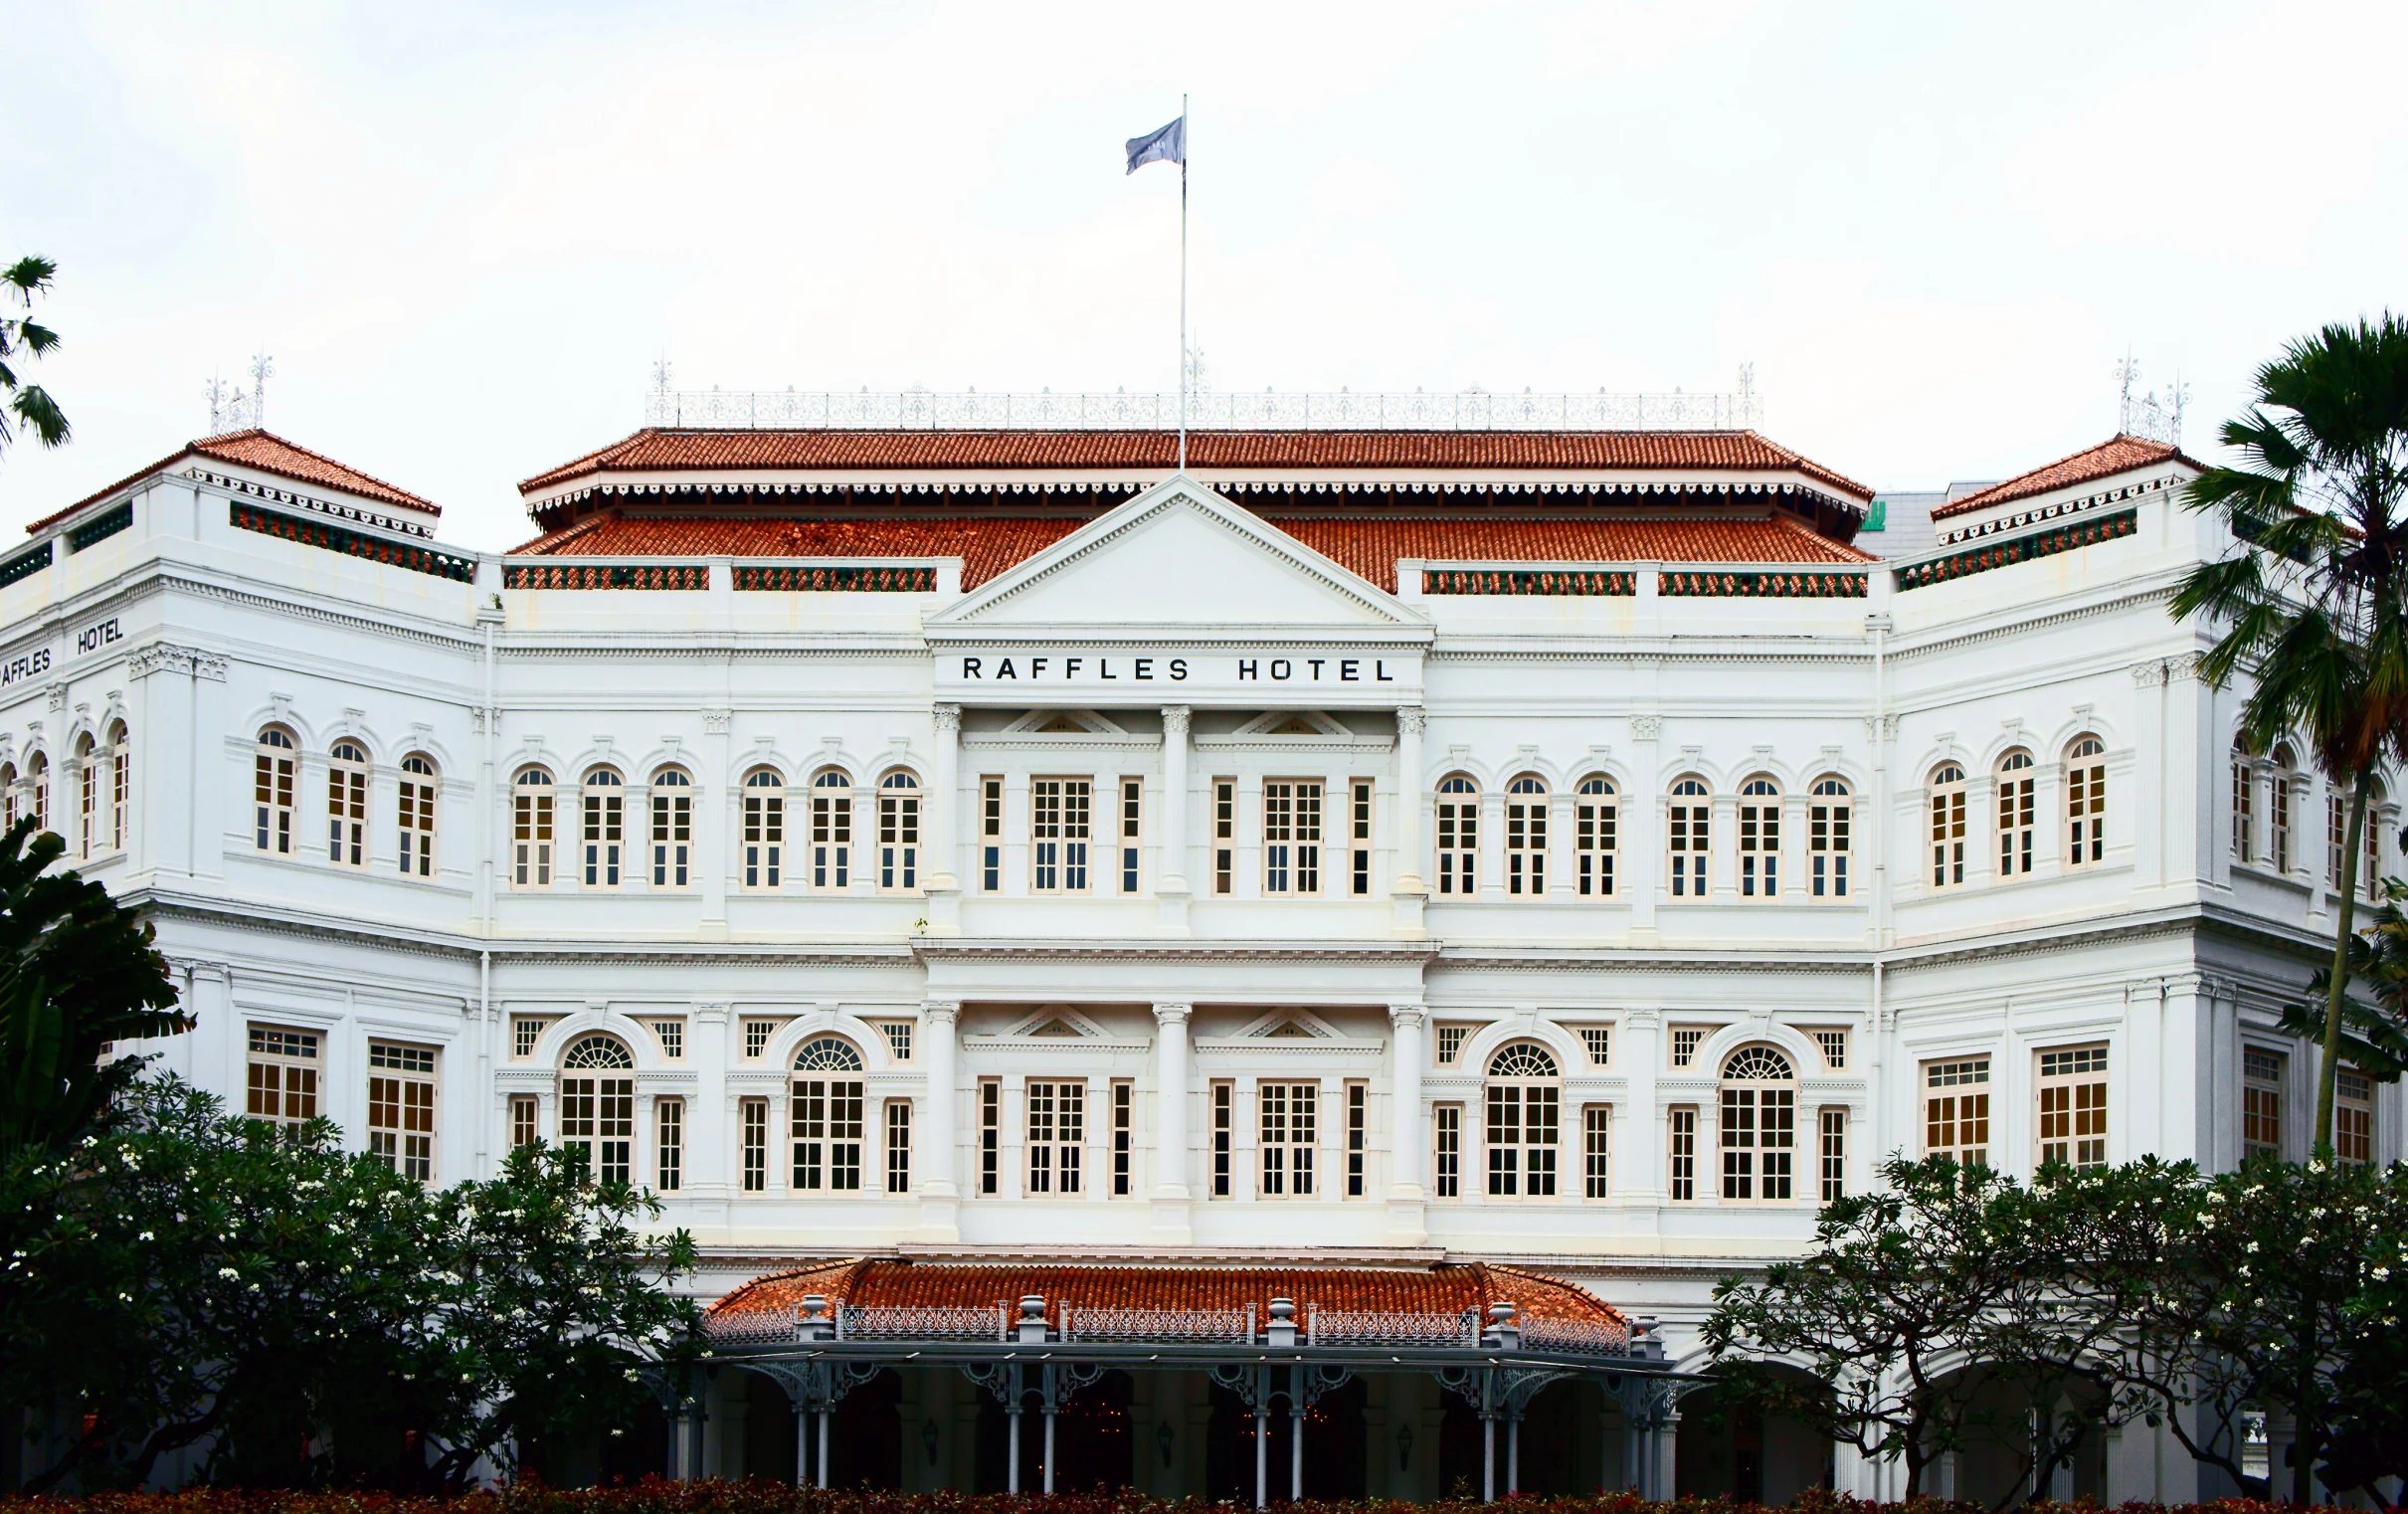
[37,773]
[531,828]
[1947,825]
[673,828]
[414,812]
[605,830]
[1526,835]
[1525,1102]
[1759,1125]
[597,1106]
[11,802]
[2018,810]
[1594,823]
[1827,838]
[2086,801]
[2244,805]
[1687,837]
[347,804]
[764,828]
[1760,837]
[899,831]
[2281,787]
[832,831]
[828,1120]
[88,795]
[121,783]
[1458,834]
[271,791]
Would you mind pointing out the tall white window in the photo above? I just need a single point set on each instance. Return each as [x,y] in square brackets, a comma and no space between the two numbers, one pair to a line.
[1956,1110]
[1124,1138]
[2086,801]
[2260,1102]
[1597,1153]
[415,814]
[1225,1135]
[37,773]
[1689,837]
[272,792]
[87,796]
[1834,1154]
[1224,835]
[1060,818]
[1759,1125]
[1359,831]
[9,796]
[2017,811]
[1760,838]
[1357,1137]
[1526,835]
[2372,865]
[531,828]
[526,1120]
[2282,784]
[827,1117]
[1828,838]
[832,830]
[2072,1106]
[672,829]
[752,1119]
[2244,807]
[899,831]
[1681,1149]
[1947,825]
[604,834]
[347,804]
[1291,837]
[1446,1132]
[990,833]
[401,1108]
[1593,827]
[121,787]
[898,1146]
[1458,834]
[764,829]
[669,1128]
[1290,1114]
[2353,1117]
[282,1074]
[598,1108]
[1057,1134]
[1525,1102]
[1132,830]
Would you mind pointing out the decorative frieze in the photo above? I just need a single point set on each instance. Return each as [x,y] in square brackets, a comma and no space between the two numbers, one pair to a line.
[826,579]
[691,577]
[1577,581]
[1760,584]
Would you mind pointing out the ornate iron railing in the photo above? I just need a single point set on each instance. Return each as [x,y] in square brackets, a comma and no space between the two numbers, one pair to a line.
[1594,1337]
[335,538]
[100,528]
[1473,409]
[577,575]
[905,1322]
[1089,1324]
[1333,1327]
[2015,549]
[1755,584]
[1545,581]
[822,579]
[25,564]
[754,1327]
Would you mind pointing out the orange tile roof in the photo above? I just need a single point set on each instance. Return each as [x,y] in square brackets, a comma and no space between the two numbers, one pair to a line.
[656,449]
[2120,453]
[268,454]
[988,545]
[1447,1288]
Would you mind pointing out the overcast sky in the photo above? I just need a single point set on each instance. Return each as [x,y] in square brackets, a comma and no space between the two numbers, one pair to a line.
[466,232]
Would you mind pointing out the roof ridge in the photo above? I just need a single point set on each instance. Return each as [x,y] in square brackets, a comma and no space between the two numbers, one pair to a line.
[2067,471]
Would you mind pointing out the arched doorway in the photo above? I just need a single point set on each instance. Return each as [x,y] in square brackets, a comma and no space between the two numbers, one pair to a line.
[1334,1445]
[768,1427]
[1093,1438]
[1728,1449]
[1565,1445]
[865,1442]
[638,1449]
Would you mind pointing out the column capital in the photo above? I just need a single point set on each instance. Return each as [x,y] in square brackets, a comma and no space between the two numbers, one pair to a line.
[1646,727]
[1412,719]
[1172,1014]
[947,717]
[1407,1017]
[1174,720]
[940,1011]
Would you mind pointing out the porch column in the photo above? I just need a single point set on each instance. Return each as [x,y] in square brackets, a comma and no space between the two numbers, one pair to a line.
[1171,1194]
[1172,870]
[1667,1449]
[1409,1148]
[802,1446]
[823,1419]
[1050,1414]
[1295,1437]
[940,1198]
[1488,1456]
[1012,1462]
[1513,1452]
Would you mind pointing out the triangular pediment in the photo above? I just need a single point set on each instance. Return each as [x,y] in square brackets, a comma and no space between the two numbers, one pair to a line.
[1180,555]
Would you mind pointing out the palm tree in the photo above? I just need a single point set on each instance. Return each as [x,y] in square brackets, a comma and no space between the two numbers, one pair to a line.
[21,337]
[2317,609]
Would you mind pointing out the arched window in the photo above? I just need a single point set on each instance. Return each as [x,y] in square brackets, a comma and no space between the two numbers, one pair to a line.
[1827,838]
[2086,801]
[899,830]
[87,796]
[10,808]
[347,804]
[828,1117]
[271,791]
[38,773]
[1947,825]
[832,831]
[1760,1124]
[764,828]
[2371,884]
[1458,834]
[2016,810]
[1524,1121]
[531,828]
[672,829]
[1687,837]
[1760,837]
[121,785]
[2279,788]
[597,1109]
[1526,835]
[2244,789]
[416,813]
[604,834]
[1593,822]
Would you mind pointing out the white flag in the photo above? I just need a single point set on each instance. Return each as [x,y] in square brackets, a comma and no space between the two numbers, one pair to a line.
[1166,144]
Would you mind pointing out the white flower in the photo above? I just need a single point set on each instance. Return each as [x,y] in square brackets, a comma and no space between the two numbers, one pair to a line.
[2252,1248]
[230,1273]
[146,1235]
[2216,1198]
[2381,1272]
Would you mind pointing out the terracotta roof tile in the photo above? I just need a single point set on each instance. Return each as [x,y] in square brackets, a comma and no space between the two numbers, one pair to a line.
[988,545]
[2121,454]
[268,454]
[655,449]
[1447,1288]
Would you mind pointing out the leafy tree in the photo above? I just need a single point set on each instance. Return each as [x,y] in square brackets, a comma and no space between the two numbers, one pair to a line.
[2374,1037]
[21,337]
[2317,606]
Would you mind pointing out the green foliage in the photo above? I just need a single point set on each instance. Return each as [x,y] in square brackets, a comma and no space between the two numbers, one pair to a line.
[2374,1037]
[19,339]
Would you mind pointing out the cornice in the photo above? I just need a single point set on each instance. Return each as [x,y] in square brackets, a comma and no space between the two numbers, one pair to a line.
[961,948]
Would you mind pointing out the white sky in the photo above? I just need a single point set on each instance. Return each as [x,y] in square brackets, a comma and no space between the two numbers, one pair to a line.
[466,231]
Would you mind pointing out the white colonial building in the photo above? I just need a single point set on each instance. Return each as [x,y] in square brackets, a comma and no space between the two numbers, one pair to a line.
[1362,852]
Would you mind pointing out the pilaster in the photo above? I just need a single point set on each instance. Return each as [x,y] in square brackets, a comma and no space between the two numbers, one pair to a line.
[1171,1196]
[1409,1126]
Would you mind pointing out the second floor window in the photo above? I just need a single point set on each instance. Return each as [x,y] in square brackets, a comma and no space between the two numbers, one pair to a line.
[1593,824]
[1524,1122]
[2280,785]
[1057,1132]
[1956,1110]
[1291,837]
[282,1077]
[1526,835]
[2244,805]
[271,789]
[672,829]
[1760,838]
[2260,1102]
[1458,835]
[2352,1115]
[1759,1125]
[597,1109]
[1827,841]
[2072,1106]
[1132,816]
[764,829]
[832,831]
[604,834]
[1061,814]
[401,1108]
[531,830]
[2016,810]
[990,833]
[1289,1113]
[415,813]
[1688,838]
[347,804]
[2085,803]
[1360,831]
[898,832]
[827,1117]
[1947,825]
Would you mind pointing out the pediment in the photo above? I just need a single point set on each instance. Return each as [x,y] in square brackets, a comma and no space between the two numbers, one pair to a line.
[1292,722]
[1056,1022]
[1180,555]
[1288,1025]
[1065,722]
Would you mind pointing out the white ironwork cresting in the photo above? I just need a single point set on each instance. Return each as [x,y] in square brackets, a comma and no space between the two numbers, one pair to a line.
[1331,1327]
[1598,1337]
[758,1327]
[1088,1324]
[932,1322]
[1472,409]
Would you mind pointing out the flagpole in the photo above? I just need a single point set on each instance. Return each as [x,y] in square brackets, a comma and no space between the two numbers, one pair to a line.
[1182,283]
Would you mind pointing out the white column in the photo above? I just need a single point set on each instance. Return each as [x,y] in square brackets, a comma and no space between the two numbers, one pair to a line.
[1409,1124]
[940,1198]
[1170,1155]
[940,830]
[1411,719]
[1173,868]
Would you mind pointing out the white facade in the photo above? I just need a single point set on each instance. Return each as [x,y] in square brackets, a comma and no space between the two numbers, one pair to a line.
[1175,645]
